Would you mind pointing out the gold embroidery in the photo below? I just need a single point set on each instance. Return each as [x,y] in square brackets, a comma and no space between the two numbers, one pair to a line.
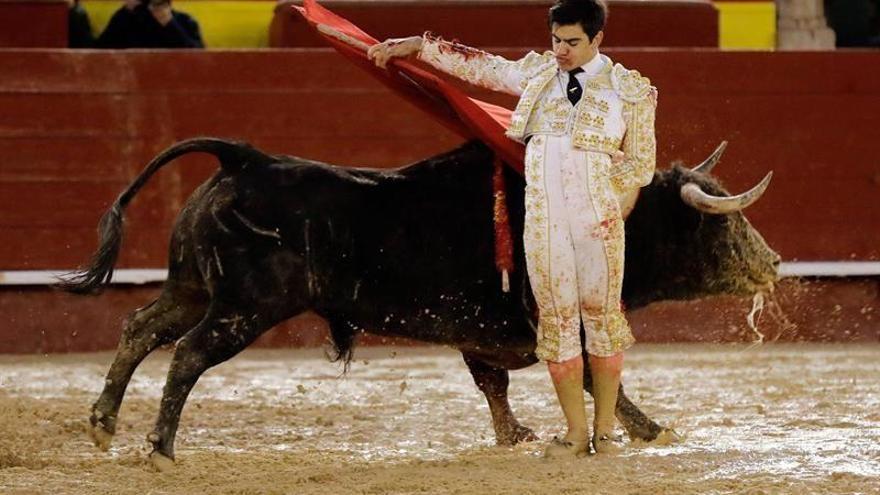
[551,115]
[611,334]
[590,140]
[639,147]
[593,121]
[596,131]
[526,104]
[595,102]
[629,84]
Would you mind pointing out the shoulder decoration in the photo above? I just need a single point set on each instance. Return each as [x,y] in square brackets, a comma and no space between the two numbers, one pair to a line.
[535,63]
[629,84]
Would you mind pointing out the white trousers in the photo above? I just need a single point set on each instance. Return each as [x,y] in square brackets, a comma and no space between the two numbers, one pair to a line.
[574,244]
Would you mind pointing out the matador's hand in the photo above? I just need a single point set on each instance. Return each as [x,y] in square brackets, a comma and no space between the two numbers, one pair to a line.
[617,157]
[394,47]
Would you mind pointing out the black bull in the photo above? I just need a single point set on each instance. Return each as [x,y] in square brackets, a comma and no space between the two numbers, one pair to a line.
[403,252]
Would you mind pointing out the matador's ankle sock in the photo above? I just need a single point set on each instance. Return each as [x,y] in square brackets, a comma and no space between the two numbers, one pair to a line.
[606,380]
[568,379]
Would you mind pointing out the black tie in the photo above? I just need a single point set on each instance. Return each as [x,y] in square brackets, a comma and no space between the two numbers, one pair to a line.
[574,89]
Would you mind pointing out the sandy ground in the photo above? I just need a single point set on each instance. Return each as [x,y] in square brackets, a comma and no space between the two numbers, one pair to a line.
[769,419]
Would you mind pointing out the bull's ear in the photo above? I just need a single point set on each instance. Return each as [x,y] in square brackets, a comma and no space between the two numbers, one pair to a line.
[709,163]
[698,199]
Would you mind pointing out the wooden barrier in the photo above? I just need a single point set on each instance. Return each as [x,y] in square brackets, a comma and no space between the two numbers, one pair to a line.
[655,23]
[76,127]
[36,320]
[33,23]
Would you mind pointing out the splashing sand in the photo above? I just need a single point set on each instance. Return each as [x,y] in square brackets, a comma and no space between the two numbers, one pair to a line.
[765,419]
[757,310]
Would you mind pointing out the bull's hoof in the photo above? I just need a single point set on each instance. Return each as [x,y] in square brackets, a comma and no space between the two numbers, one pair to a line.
[101,437]
[524,434]
[102,429]
[515,435]
[645,432]
[161,462]
[668,437]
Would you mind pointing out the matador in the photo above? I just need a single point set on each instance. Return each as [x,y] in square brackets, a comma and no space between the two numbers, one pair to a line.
[588,126]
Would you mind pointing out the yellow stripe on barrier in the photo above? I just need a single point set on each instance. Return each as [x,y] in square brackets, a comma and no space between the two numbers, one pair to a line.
[224,24]
[747,25]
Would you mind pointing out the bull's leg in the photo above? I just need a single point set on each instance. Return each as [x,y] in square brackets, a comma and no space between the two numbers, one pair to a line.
[636,423]
[162,322]
[217,338]
[493,383]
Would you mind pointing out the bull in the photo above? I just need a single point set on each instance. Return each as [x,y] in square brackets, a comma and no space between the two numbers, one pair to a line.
[397,252]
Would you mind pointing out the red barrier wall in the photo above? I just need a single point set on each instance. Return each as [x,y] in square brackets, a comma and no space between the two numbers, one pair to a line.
[33,23]
[76,127]
[36,320]
[667,23]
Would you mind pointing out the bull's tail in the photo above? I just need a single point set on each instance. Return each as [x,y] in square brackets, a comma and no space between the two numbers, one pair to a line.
[233,157]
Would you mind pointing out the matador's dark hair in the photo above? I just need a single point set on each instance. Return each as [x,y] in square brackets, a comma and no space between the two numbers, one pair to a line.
[590,14]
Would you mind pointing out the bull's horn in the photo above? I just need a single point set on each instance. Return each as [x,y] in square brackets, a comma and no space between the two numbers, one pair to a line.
[709,163]
[700,200]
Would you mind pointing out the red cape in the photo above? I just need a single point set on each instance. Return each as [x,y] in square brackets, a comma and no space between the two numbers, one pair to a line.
[468,117]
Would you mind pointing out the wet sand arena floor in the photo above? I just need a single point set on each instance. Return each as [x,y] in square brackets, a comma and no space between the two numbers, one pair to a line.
[769,419]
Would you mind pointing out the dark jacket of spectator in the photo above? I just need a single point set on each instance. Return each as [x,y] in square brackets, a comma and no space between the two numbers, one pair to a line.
[79,29]
[855,22]
[137,28]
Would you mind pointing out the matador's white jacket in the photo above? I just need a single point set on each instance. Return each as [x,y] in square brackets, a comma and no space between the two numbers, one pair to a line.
[574,235]
[590,127]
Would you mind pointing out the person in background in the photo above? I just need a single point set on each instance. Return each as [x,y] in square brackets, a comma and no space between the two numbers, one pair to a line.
[150,24]
[855,22]
[79,29]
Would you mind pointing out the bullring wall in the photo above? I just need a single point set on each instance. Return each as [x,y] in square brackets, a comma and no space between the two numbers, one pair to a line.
[76,127]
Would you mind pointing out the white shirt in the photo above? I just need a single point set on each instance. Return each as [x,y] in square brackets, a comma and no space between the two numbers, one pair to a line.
[591,68]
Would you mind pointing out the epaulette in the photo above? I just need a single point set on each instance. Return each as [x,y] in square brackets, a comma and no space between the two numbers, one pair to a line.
[536,63]
[629,84]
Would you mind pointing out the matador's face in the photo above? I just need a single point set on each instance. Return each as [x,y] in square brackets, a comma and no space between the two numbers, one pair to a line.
[572,46]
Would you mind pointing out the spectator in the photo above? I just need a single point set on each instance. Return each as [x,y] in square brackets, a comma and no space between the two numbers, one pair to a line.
[79,29]
[150,24]
[854,22]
